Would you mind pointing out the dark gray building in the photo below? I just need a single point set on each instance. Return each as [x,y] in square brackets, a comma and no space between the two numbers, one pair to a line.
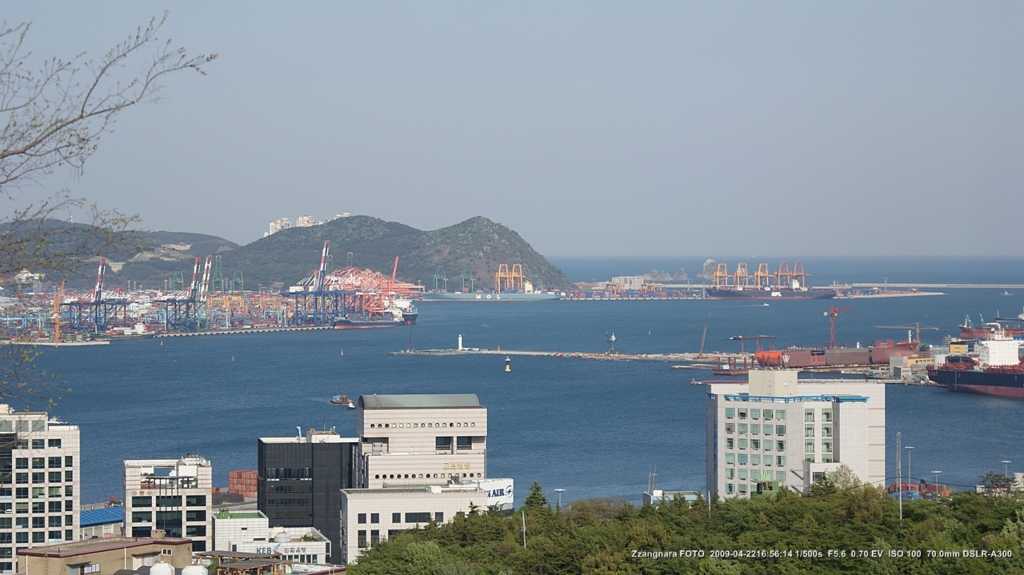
[301,478]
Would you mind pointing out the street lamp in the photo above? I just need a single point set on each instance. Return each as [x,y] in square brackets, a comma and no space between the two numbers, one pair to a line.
[1005,471]
[559,491]
[936,482]
[910,478]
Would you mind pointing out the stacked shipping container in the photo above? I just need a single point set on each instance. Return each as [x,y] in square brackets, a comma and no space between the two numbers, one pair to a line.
[242,482]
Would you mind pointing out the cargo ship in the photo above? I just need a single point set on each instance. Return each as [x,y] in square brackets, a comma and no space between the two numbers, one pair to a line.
[800,357]
[767,293]
[784,284]
[989,330]
[491,296]
[394,316]
[996,371]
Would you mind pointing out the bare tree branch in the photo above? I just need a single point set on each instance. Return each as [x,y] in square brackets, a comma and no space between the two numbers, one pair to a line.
[56,116]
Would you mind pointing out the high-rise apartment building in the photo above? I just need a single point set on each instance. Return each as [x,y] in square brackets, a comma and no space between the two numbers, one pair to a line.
[173,496]
[777,431]
[39,482]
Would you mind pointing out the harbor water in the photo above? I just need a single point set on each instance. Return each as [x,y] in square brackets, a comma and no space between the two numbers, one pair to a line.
[593,428]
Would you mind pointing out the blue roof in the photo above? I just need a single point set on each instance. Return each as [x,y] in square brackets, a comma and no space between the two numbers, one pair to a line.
[101,516]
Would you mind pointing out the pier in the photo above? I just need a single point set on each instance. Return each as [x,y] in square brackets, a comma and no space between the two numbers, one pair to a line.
[240,331]
[707,360]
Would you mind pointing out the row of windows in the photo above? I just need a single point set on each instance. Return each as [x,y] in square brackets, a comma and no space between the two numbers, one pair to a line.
[288,473]
[743,413]
[289,502]
[826,458]
[754,474]
[754,459]
[742,487]
[826,431]
[40,477]
[826,447]
[37,522]
[755,444]
[418,425]
[826,415]
[755,429]
[173,530]
[420,517]
[168,501]
[37,492]
[147,516]
[53,536]
[427,476]
[37,507]
[445,443]
[302,558]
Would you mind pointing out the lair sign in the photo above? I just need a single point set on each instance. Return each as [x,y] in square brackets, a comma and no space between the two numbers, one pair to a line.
[499,492]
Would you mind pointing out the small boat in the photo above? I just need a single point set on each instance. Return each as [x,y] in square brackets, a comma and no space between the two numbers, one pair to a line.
[343,400]
[695,381]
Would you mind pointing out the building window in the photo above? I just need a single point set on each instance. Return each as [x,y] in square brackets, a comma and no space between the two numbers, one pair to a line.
[69,461]
[755,429]
[743,459]
[780,430]
[374,537]
[755,459]
[21,478]
[21,492]
[69,475]
[808,447]
[142,516]
[808,431]
[826,431]
[39,537]
[730,428]
[417,517]
[743,429]
[396,518]
[743,413]
[439,517]
[767,429]
[780,446]
[743,444]
[755,444]
[196,515]
[53,462]
[21,537]
[195,531]
[69,491]
[728,488]
[743,488]
[54,521]
[755,414]
[730,412]
[39,507]
[826,447]
[141,501]
[730,458]
[168,501]
[730,473]
[361,518]
[808,416]
[53,443]
[375,518]
[38,477]
[826,415]
[443,443]
[69,535]
[809,457]
[463,443]
[195,500]
[767,460]
[38,443]
[361,538]
[55,507]
[55,477]
[780,414]
[69,505]
[780,476]
[780,461]
[38,463]
[767,415]
[742,474]
[21,463]
[730,443]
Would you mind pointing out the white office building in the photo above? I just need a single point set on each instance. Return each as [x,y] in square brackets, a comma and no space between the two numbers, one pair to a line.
[777,431]
[370,516]
[39,482]
[420,439]
[169,495]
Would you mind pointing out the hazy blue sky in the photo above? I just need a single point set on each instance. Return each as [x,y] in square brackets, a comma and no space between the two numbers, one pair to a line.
[591,128]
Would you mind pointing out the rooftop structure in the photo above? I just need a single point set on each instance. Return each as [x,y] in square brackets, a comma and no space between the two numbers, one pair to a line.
[105,555]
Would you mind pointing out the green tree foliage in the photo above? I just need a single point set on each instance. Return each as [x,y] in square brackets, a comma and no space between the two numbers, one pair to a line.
[760,535]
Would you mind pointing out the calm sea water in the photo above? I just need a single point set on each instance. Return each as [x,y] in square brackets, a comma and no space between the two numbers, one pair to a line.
[592,428]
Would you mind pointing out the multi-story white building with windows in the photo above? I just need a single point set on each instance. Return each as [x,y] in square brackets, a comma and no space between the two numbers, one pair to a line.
[777,431]
[169,495]
[39,482]
[420,439]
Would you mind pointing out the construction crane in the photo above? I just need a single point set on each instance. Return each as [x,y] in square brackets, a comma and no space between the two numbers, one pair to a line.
[757,340]
[917,327]
[832,313]
[703,337]
[57,300]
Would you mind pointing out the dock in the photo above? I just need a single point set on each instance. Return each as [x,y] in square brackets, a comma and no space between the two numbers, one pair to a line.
[708,360]
[242,331]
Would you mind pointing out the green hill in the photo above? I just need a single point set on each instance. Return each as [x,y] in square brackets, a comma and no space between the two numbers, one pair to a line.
[286,257]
